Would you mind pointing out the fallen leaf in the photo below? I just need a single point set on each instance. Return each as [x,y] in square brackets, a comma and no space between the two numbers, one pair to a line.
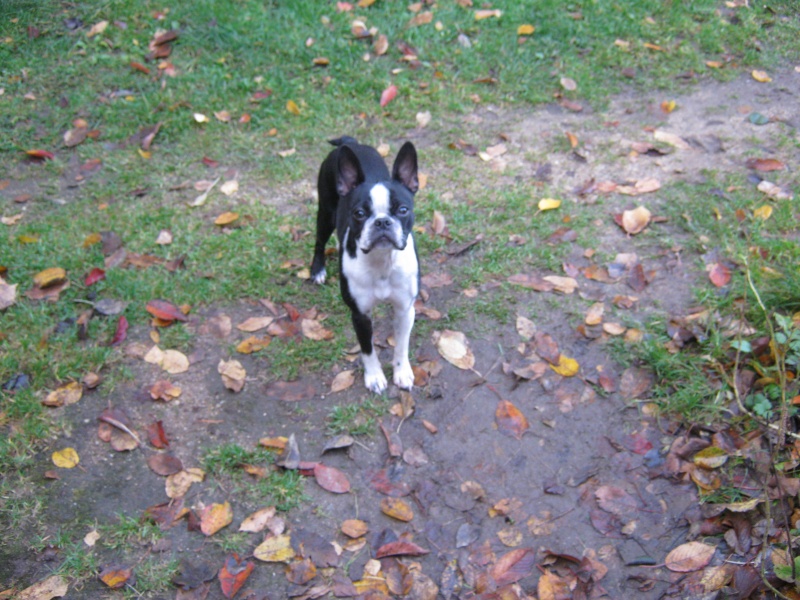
[719,274]
[400,548]
[691,556]
[397,508]
[354,528]
[760,76]
[254,324]
[568,84]
[234,574]
[343,381]
[49,277]
[8,294]
[389,94]
[513,566]
[178,485]
[549,204]
[164,464]
[115,576]
[552,587]
[565,285]
[165,311]
[67,394]
[229,188]
[615,500]
[233,374]
[635,382]
[314,330]
[454,348]
[763,212]
[174,362]
[97,28]
[54,586]
[331,479]
[712,457]
[215,517]
[226,218]
[66,458]
[164,390]
[525,327]
[567,367]
[275,549]
[510,420]
[634,221]
[525,29]
[38,154]
[253,344]
[258,521]
[487,14]
[765,165]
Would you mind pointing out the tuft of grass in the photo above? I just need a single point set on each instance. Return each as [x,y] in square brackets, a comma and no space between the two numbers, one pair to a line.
[355,419]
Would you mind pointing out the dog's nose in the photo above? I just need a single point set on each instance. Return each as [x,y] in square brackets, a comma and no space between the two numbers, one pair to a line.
[384,223]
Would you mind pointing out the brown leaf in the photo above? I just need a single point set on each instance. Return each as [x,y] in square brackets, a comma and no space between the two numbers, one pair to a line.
[233,374]
[54,586]
[546,347]
[719,274]
[634,221]
[765,164]
[354,528]
[254,324]
[343,381]
[164,390]
[636,278]
[313,330]
[635,382]
[615,500]
[253,344]
[164,464]
[157,435]
[533,282]
[397,508]
[67,394]
[300,572]
[553,587]
[400,548]
[513,566]
[166,311]
[331,479]
[688,557]
[454,348]
[510,421]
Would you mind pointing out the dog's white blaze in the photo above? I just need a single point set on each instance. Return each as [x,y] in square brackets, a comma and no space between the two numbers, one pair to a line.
[380,200]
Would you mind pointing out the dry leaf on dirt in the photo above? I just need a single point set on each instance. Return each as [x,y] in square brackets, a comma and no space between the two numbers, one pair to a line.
[215,517]
[688,557]
[178,485]
[615,500]
[635,382]
[67,394]
[354,528]
[525,327]
[54,586]
[343,381]
[115,576]
[510,420]
[254,324]
[331,479]
[513,566]
[314,330]
[397,508]
[258,521]
[400,548]
[634,221]
[454,348]
[164,464]
[253,344]
[594,316]
[552,587]
[233,574]
[565,285]
[233,374]
[275,549]
[66,458]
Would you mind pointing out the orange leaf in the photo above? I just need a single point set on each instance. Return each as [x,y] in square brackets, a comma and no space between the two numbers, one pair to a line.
[39,154]
[397,508]
[389,94]
[115,576]
[234,574]
[510,421]
[215,517]
[719,274]
[166,311]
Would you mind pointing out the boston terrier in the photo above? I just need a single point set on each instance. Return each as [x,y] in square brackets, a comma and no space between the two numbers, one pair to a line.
[372,213]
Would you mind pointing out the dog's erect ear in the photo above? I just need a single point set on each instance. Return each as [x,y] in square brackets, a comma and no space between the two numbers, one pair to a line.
[349,174]
[405,167]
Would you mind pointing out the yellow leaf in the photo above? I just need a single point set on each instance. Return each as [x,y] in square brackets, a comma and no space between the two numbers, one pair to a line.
[97,28]
[668,106]
[567,367]
[549,203]
[713,64]
[525,29]
[712,457]
[28,239]
[66,459]
[397,508]
[487,14]
[215,517]
[65,395]
[761,76]
[275,549]
[226,218]
[763,212]
[145,154]
[253,344]
[292,107]
[48,277]
[92,239]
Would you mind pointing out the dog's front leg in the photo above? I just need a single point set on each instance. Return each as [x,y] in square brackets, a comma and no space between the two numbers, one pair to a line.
[403,322]
[374,378]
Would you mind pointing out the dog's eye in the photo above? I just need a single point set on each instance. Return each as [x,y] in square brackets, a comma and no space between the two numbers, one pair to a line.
[402,211]
[359,214]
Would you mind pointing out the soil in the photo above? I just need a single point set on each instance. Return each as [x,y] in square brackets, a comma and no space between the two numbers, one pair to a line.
[477,493]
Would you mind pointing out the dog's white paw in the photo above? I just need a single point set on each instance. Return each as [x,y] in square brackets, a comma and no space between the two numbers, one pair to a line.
[375,382]
[404,376]
[319,278]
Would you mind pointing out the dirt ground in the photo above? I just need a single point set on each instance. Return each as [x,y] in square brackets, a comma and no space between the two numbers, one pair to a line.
[479,497]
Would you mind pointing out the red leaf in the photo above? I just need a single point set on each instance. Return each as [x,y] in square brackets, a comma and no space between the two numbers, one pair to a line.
[638,444]
[38,154]
[156,435]
[234,574]
[94,276]
[719,274]
[510,421]
[387,482]
[166,311]
[164,464]
[137,66]
[513,566]
[121,333]
[765,164]
[210,162]
[400,548]
[331,479]
[388,95]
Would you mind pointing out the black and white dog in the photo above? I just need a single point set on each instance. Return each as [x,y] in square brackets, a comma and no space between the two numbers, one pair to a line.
[373,213]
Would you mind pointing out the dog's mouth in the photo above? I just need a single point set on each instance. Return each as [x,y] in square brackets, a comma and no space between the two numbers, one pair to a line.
[382,241]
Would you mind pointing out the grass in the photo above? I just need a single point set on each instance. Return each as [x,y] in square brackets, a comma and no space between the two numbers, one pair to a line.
[226,53]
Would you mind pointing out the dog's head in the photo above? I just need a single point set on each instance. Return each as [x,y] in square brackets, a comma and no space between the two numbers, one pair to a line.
[381,210]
